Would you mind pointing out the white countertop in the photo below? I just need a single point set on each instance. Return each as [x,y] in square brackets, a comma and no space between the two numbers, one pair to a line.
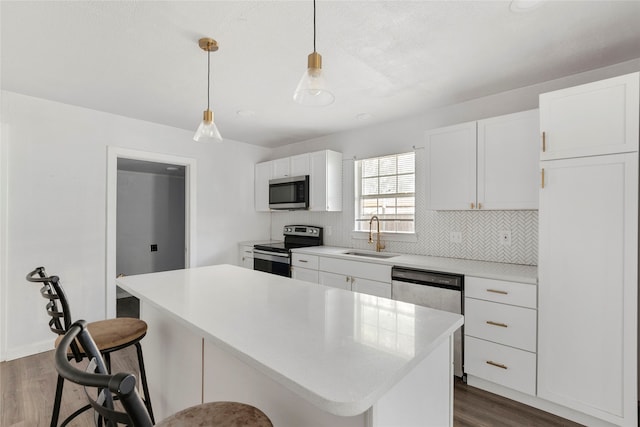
[489,270]
[339,350]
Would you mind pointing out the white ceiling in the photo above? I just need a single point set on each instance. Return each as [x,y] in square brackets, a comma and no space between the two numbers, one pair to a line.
[387,59]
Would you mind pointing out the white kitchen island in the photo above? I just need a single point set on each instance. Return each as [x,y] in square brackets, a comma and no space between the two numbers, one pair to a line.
[305,354]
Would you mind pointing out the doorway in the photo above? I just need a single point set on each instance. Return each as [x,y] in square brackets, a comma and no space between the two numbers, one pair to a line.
[150,218]
[150,231]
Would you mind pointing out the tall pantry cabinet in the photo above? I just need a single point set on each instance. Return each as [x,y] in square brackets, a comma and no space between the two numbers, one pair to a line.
[588,249]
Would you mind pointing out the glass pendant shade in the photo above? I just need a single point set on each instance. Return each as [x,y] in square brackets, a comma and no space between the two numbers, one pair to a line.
[207,131]
[312,89]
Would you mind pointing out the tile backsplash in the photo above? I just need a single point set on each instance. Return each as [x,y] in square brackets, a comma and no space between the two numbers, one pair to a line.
[480,233]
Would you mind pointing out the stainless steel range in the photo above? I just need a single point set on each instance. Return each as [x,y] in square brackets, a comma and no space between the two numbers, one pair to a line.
[276,257]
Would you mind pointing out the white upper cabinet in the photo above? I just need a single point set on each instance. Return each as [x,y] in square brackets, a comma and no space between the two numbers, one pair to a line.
[591,119]
[508,174]
[325,181]
[451,167]
[280,168]
[299,165]
[488,164]
[325,178]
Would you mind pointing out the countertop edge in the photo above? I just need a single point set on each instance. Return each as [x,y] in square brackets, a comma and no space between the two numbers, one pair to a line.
[485,269]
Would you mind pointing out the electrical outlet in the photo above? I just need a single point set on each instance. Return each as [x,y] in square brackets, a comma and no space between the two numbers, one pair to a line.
[505,237]
[455,237]
[154,248]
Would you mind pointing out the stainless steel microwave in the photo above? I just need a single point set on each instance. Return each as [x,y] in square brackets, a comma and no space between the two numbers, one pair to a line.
[289,193]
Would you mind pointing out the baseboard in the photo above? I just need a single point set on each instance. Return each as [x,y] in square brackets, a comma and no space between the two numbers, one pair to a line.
[28,350]
[536,402]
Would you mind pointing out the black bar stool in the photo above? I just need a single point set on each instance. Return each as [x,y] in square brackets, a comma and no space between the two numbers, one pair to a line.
[122,387]
[110,335]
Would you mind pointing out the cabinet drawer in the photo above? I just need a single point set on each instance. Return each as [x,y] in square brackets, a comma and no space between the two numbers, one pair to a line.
[500,364]
[513,293]
[305,261]
[365,270]
[501,323]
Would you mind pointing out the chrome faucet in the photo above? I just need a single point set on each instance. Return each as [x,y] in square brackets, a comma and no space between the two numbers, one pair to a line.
[379,244]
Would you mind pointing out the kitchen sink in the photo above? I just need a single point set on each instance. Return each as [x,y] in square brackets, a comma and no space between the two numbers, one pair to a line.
[370,254]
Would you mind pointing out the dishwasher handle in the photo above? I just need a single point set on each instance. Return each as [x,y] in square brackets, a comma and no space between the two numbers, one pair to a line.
[428,278]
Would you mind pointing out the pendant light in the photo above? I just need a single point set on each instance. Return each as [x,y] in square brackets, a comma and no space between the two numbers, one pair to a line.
[208,131]
[312,89]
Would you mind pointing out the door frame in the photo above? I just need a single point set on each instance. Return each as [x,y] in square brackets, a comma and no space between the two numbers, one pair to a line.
[113,154]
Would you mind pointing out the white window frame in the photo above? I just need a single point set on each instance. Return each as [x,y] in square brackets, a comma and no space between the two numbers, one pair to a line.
[404,236]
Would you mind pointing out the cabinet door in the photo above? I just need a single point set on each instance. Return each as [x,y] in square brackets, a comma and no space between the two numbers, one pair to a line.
[280,168]
[299,165]
[334,280]
[588,282]
[262,175]
[305,274]
[451,167]
[371,287]
[318,181]
[246,257]
[591,119]
[508,174]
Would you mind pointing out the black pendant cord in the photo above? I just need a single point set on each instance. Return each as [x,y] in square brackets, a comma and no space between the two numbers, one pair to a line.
[314,25]
[208,76]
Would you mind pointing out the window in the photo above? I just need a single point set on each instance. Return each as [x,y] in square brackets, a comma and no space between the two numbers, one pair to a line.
[385,186]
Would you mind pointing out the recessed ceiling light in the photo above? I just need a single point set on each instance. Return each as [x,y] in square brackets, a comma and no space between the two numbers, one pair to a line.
[519,6]
[246,113]
[364,116]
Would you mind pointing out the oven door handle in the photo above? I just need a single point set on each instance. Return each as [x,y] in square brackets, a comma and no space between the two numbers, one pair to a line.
[271,257]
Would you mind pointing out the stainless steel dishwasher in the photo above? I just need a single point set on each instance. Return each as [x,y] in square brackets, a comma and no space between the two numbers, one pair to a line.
[434,289]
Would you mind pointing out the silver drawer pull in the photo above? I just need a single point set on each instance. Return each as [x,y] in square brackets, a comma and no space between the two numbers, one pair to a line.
[497,365]
[496,291]
[303,260]
[502,325]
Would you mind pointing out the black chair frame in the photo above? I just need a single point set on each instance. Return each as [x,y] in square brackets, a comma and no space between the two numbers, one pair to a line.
[121,386]
[60,323]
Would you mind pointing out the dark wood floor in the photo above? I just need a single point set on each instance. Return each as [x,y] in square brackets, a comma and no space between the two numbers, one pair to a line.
[28,386]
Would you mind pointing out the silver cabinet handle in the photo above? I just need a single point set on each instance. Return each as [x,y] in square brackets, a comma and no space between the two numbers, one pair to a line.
[496,291]
[303,260]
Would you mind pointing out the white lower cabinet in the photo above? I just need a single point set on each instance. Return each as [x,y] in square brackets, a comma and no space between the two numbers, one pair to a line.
[364,277]
[304,274]
[501,364]
[371,287]
[500,332]
[334,280]
[246,256]
[304,267]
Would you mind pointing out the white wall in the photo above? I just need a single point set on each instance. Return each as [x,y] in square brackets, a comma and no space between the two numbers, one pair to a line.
[150,211]
[56,158]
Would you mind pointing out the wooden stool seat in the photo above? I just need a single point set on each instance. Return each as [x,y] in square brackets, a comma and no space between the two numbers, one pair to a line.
[114,334]
[218,414]
[111,335]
